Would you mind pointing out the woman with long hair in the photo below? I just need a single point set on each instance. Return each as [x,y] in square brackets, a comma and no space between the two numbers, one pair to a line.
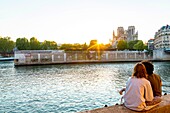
[138,91]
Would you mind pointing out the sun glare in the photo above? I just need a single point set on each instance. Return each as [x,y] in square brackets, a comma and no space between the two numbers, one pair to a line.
[102,41]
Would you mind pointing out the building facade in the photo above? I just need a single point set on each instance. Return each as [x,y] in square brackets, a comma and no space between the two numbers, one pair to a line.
[131,35]
[127,35]
[150,44]
[162,38]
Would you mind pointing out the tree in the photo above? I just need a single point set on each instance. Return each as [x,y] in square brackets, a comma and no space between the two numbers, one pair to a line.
[131,44]
[22,44]
[139,45]
[122,45]
[49,45]
[108,46]
[66,46]
[145,47]
[53,45]
[34,44]
[93,45]
[75,46]
[85,47]
[6,45]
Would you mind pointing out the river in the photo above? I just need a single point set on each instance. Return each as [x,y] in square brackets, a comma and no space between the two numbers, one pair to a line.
[66,88]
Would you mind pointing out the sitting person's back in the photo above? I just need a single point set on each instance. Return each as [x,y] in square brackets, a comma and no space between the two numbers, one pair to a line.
[135,89]
[155,80]
[138,92]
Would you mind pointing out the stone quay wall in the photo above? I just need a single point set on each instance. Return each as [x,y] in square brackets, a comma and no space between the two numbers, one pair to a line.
[161,54]
[162,107]
[38,57]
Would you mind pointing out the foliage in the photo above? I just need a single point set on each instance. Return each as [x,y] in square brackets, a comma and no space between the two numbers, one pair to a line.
[66,46]
[131,44]
[145,47]
[93,42]
[85,47]
[49,45]
[73,47]
[122,45]
[6,45]
[34,44]
[77,46]
[108,46]
[139,45]
[22,44]
[93,45]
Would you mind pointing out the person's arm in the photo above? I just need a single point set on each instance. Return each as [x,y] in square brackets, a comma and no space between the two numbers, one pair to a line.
[121,91]
[156,100]
[148,92]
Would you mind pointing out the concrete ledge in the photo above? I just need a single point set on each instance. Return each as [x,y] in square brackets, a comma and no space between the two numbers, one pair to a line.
[163,107]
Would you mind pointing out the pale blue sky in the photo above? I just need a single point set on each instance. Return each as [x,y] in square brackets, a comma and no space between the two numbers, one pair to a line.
[79,21]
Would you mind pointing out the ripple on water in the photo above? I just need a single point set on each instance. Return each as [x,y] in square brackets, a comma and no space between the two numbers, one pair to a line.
[66,88]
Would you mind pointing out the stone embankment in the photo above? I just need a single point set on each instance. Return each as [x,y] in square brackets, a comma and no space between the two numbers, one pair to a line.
[42,57]
[163,107]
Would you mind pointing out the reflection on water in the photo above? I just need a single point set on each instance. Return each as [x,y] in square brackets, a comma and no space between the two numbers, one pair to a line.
[66,88]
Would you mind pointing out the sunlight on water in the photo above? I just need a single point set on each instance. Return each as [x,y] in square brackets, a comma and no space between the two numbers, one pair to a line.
[66,88]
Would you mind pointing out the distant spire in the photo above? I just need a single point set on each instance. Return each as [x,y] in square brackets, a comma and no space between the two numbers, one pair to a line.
[113,33]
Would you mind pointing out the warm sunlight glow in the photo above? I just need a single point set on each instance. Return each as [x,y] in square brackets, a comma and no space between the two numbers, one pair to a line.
[98,47]
[102,41]
[80,21]
[98,42]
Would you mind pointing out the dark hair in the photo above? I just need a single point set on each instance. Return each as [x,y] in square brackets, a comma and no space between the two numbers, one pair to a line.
[149,66]
[139,71]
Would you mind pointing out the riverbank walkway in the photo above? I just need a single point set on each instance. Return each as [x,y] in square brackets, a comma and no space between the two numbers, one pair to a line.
[163,107]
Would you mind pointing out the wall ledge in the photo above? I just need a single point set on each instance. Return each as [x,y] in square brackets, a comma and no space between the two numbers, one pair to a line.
[163,107]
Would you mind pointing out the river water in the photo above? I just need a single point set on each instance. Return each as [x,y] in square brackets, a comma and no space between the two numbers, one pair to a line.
[66,88]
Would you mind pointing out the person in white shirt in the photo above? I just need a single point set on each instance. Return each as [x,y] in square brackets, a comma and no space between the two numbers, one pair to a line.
[138,91]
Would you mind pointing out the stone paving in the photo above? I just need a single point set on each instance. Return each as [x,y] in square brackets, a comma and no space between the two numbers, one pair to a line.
[162,107]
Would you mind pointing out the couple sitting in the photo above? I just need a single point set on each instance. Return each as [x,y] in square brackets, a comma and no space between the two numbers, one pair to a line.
[143,89]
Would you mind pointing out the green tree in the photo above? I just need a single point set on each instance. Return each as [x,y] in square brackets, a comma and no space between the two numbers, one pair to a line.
[49,45]
[53,45]
[6,45]
[75,46]
[139,45]
[66,47]
[108,46]
[84,47]
[22,44]
[131,44]
[93,45]
[145,47]
[122,45]
[34,44]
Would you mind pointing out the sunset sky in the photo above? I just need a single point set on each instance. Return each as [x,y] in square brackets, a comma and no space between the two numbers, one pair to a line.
[79,21]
